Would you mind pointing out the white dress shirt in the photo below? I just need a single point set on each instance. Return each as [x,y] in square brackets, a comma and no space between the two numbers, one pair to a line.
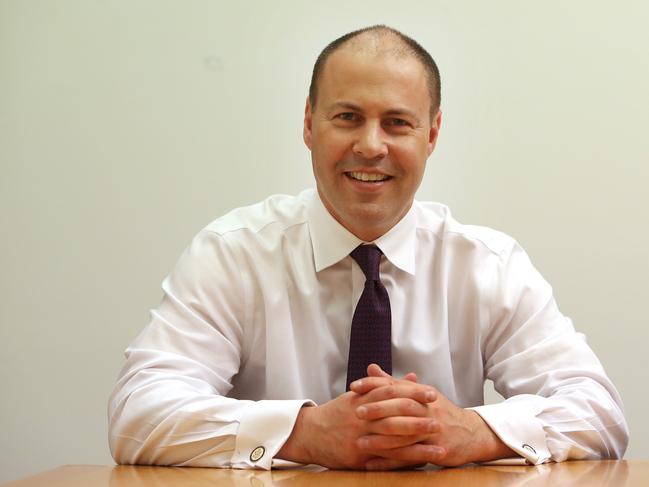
[255,322]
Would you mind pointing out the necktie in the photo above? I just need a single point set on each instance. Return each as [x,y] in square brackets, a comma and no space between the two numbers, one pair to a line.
[371,337]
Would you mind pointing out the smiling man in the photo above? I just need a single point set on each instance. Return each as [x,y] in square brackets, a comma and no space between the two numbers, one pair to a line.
[371,124]
[352,326]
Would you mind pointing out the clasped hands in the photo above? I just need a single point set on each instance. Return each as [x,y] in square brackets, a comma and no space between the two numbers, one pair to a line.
[385,423]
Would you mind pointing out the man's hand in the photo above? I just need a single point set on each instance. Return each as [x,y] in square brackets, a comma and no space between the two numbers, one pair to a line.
[329,434]
[455,436]
[385,423]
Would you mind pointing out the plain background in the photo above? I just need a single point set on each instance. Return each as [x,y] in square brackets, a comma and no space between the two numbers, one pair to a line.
[127,126]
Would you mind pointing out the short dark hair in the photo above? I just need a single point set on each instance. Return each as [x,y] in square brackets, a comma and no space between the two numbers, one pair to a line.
[412,48]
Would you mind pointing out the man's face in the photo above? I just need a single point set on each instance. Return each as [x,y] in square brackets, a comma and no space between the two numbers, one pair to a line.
[370,134]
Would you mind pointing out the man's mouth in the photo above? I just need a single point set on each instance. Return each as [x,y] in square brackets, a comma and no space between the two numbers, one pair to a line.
[371,177]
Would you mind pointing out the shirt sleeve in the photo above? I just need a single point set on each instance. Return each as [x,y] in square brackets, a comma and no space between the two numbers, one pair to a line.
[170,405]
[560,403]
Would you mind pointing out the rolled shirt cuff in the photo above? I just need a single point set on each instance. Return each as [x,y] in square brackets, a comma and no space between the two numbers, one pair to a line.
[263,430]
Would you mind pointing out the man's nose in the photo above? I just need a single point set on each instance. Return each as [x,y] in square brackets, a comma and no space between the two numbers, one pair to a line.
[370,143]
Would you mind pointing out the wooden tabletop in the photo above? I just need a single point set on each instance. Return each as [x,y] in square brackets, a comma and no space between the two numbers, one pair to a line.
[591,473]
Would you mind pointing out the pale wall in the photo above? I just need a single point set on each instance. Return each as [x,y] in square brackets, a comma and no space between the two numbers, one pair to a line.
[126,126]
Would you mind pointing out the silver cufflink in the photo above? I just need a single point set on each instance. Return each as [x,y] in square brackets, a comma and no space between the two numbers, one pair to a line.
[257,453]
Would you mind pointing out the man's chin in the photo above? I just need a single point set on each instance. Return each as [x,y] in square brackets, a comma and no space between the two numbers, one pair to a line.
[368,221]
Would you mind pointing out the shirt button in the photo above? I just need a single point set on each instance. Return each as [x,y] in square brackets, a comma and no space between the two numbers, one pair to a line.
[257,453]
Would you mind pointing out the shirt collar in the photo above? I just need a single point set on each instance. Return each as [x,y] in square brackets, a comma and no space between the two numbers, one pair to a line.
[399,245]
[332,242]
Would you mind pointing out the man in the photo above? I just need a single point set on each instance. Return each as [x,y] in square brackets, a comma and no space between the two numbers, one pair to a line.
[248,357]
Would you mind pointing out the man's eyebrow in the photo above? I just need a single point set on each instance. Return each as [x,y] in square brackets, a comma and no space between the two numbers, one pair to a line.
[402,112]
[347,105]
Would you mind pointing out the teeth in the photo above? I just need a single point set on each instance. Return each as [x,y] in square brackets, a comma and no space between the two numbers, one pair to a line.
[366,176]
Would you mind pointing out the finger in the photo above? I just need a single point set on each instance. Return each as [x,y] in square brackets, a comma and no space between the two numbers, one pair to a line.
[404,389]
[389,464]
[374,370]
[371,443]
[411,376]
[391,407]
[418,453]
[403,425]
[361,386]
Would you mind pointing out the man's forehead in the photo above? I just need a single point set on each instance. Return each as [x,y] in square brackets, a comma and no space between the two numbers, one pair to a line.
[370,67]
[355,82]
[353,58]
[370,61]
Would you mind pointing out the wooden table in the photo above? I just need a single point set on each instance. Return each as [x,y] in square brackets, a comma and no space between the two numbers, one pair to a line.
[611,473]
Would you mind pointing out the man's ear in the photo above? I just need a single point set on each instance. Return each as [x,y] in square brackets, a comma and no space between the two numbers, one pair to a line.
[434,131]
[308,120]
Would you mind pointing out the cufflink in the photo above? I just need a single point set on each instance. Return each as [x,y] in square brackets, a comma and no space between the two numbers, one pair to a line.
[528,448]
[257,453]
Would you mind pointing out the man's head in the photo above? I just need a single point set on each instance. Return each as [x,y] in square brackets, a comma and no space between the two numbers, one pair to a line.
[371,121]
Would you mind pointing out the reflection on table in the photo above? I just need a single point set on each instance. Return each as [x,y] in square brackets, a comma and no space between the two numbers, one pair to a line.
[572,473]
[588,473]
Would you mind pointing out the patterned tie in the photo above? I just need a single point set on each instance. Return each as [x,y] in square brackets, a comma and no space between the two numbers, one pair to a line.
[370,340]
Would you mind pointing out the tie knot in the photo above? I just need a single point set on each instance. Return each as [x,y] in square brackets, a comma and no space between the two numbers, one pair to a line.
[368,257]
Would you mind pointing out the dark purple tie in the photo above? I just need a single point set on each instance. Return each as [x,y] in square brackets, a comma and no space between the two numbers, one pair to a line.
[370,340]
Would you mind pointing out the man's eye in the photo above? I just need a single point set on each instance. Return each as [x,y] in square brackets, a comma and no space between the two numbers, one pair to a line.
[347,116]
[398,122]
